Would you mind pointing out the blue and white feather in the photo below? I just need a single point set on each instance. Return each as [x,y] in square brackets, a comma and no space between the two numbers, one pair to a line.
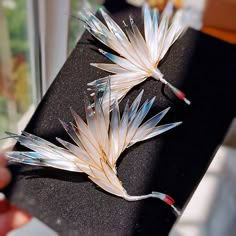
[138,57]
[98,143]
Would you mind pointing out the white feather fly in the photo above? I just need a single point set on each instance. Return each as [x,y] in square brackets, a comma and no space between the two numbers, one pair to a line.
[98,143]
[138,57]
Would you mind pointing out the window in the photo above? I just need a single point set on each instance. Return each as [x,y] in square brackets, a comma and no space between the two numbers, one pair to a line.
[16,97]
[32,32]
[76,27]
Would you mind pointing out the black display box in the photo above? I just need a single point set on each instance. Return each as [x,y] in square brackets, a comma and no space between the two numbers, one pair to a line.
[173,163]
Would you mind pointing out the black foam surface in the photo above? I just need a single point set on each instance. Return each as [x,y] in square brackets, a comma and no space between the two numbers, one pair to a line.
[174,162]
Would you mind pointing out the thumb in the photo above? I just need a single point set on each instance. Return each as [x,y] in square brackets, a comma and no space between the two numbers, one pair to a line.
[11,217]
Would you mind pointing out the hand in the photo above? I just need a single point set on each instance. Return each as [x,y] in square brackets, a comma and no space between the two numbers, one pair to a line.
[5,175]
[10,216]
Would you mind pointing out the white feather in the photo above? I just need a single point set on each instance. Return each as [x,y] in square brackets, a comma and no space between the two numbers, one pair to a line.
[138,57]
[98,144]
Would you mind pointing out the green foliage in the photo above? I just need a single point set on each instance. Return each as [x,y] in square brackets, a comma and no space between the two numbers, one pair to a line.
[17,26]
[3,105]
[76,27]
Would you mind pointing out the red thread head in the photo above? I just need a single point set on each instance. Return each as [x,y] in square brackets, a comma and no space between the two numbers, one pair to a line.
[169,200]
[181,95]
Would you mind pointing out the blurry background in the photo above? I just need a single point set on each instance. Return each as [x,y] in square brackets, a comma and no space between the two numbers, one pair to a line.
[30,31]
[36,37]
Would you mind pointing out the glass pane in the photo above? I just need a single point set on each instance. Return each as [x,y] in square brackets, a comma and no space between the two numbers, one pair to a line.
[76,27]
[15,82]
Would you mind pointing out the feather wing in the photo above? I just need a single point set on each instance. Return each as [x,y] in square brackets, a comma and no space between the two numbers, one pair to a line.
[138,56]
[98,143]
